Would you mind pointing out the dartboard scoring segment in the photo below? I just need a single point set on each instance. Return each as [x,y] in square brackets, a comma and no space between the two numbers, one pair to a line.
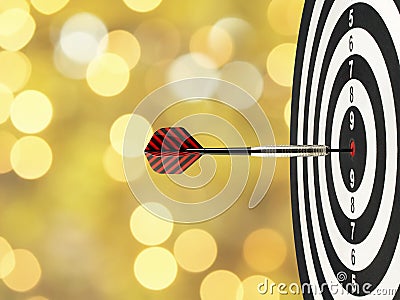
[352,133]
[346,92]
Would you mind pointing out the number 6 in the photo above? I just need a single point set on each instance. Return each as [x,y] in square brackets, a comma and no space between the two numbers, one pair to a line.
[351,43]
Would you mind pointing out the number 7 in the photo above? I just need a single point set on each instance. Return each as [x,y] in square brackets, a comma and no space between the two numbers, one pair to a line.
[351,63]
[353,228]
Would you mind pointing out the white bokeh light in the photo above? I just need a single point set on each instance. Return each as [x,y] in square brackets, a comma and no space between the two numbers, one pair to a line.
[81,36]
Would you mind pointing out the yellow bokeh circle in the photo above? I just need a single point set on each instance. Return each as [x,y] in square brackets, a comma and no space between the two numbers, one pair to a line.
[142,5]
[31,157]
[195,250]
[117,133]
[155,268]
[31,111]
[7,258]
[280,64]
[7,141]
[285,16]
[9,4]
[258,287]
[214,42]
[133,147]
[113,165]
[265,250]
[49,7]
[124,44]
[149,229]
[221,284]
[17,27]
[26,273]
[20,66]
[6,98]
[252,82]
[160,41]
[108,75]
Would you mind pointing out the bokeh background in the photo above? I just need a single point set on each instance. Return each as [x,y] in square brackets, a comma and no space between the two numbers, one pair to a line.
[71,74]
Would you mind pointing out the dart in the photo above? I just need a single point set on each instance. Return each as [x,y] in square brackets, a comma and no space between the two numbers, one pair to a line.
[173,150]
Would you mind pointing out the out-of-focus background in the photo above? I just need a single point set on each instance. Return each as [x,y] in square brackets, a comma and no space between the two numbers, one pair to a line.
[71,74]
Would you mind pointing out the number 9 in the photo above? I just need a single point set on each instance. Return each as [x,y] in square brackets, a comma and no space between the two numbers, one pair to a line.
[352,178]
[352,121]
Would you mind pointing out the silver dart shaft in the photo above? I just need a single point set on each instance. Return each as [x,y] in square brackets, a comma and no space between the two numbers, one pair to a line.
[290,151]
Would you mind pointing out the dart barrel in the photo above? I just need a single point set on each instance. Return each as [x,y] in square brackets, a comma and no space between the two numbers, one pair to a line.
[291,151]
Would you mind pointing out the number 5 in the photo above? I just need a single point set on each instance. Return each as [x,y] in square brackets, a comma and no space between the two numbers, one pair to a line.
[351,18]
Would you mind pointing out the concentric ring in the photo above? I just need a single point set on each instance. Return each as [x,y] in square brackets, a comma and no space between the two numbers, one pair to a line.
[146,189]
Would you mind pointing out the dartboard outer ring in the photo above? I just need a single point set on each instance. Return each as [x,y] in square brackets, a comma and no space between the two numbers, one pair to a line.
[312,270]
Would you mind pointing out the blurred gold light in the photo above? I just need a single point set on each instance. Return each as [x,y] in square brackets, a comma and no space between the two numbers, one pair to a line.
[49,7]
[250,288]
[113,164]
[287,112]
[221,284]
[81,36]
[246,76]
[6,98]
[67,66]
[31,157]
[20,66]
[108,75]
[7,141]
[159,40]
[8,4]
[26,273]
[264,250]
[140,133]
[7,258]
[155,268]
[195,250]
[192,65]
[17,27]
[280,64]
[31,111]
[117,133]
[285,16]
[214,42]
[124,44]
[237,28]
[37,298]
[142,5]
[149,229]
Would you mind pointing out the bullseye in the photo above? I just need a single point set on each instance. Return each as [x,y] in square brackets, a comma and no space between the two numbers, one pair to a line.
[352,148]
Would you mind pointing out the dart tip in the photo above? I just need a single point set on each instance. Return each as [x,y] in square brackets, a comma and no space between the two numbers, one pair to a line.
[341,150]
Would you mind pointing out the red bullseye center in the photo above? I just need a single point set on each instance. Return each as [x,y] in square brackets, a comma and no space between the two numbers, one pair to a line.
[352,148]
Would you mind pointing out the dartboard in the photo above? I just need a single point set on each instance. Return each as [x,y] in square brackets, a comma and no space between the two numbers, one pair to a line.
[346,94]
